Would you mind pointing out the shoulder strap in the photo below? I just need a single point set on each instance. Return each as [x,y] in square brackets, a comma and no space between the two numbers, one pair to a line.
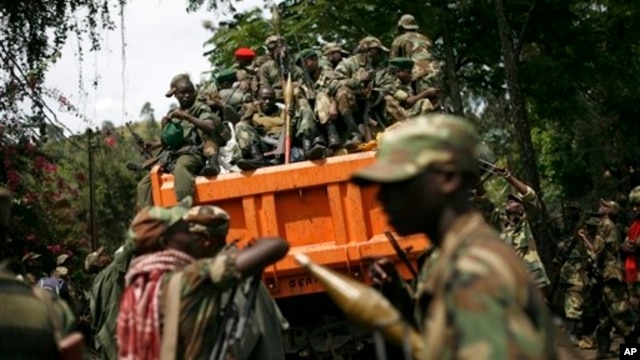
[171,319]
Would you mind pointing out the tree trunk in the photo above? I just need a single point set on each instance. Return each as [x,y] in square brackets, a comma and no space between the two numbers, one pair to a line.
[450,77]
[515,101]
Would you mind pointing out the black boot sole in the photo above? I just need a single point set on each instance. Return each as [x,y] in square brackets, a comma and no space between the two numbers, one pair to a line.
[335,146]
[246,165]
[316,153]
[210,172]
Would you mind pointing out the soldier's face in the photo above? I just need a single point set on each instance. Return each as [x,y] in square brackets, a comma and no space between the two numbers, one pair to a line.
[311,63]
[513,207]
[635,210]
[335,57]
[186,95]
[404,75]
[267,102]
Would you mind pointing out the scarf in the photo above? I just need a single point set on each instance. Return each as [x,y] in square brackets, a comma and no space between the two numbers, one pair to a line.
[139,333]
[630,264]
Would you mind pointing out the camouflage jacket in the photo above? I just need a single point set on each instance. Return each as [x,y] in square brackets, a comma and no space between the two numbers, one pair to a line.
[349,70]
[402,92]
[518,234]
[248,77]
[269,74]
[234,97]
[607,251]
[415,46]
[204,291]
[25,320]
[106,292]
[477,279]
[192,135]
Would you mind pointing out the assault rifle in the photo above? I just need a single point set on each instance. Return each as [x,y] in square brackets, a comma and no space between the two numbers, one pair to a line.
[307,76]
[144,151]
[233,322]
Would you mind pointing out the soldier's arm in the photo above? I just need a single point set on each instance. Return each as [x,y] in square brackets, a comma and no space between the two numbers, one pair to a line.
[527,195]
[346,76]
[205,119]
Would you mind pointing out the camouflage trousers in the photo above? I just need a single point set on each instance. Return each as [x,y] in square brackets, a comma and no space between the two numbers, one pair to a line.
[247,133]
[186,168]
[346,101]
[322,106]
[396,112]
[572,277]
[535,267]
[616,309]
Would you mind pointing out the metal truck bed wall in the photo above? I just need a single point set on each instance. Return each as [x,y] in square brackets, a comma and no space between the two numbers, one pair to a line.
[312,205]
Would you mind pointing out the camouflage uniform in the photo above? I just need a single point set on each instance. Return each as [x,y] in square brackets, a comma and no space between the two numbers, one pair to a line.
[325,84]
[233,97]
[189,160]
[475,279]
[204,287]
[415,46]
[517,233]
[396,106]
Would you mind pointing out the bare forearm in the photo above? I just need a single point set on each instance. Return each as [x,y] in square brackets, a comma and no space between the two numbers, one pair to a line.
[204,125]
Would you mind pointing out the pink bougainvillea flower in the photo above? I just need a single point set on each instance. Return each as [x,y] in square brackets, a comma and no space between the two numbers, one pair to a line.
[111,141]
[55,249]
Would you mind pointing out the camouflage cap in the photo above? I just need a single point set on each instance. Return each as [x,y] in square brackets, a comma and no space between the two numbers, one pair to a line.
[613,206]
[328,48]
[402,63]
[634,196]
[418,143]
[207,219]
[407,21]
[371,42]
[151,223]
[30,256]
[174,82]
[226,75]
[273,40]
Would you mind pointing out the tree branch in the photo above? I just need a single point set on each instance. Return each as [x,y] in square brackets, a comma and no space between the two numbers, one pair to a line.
[523,31]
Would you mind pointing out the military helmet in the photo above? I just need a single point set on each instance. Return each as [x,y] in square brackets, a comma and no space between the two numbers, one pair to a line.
[407,21]
[634,196]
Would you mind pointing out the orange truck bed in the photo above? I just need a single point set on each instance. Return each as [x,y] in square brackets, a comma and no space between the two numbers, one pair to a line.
[311,204]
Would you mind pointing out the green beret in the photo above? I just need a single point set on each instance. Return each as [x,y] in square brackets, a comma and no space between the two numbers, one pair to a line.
[226,75]
[402,63]
[306,53]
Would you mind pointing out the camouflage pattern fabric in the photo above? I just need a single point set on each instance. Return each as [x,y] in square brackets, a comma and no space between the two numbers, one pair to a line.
[415,46]
[255,124]
[234,97]
[398,110]
[248,77]
[269,74]
[518,234]
[25,321]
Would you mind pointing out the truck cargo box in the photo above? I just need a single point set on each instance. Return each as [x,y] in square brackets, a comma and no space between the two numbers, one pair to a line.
[312,205]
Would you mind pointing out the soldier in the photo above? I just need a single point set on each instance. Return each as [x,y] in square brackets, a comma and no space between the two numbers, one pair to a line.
[245,70]
[178,281]
[404,102]
[519,211]
[190,136]
[631,248]
[104,300]
[274,72]
[333,55]
[426,168]
[261,127]
[33,267]
[317,94]
[235,97]
[604,300]
[33,322]
[411,44]
[354,78]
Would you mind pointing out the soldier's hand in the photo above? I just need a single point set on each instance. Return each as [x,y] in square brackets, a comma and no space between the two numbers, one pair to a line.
[333,111]
[433,93]
[291,112]
[628,247]
[165,120]
[382,271]
[503,172]
[583,233]
[180,114]
[366,76]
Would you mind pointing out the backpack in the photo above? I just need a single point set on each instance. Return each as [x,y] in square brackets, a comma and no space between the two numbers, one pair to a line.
[54,285]
[172,135]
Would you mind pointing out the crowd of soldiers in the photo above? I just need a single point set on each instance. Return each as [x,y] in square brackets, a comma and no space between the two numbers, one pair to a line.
[175,285]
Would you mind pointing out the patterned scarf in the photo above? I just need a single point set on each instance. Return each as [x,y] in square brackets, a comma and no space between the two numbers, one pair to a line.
[630,265]
[138,321]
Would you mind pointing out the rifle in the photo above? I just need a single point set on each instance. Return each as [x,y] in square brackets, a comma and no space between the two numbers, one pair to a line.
[287,89]
[146,153]
[233,322]
[401,254]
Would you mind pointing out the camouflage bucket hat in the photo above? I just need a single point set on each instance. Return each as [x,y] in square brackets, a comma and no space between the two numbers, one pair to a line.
[209,220]
[634,196]
[328,48]
[273,40]
[407,21]
[174,82]
[371,42]
[418,143]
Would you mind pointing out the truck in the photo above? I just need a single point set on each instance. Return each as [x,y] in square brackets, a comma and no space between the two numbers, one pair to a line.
[315,207]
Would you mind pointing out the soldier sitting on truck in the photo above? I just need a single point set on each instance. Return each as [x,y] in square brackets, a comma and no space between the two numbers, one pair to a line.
[261,127]
[354,78]
[190,139]
[405,102]
[231,98]
[274,72]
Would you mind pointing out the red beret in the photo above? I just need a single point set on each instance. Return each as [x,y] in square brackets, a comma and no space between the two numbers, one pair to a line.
[245,53]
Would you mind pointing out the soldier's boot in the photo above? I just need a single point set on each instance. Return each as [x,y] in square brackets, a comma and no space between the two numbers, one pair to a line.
[355,137]
[314,149]
[254,161]
[604,346]
[332,136]
[212,167]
